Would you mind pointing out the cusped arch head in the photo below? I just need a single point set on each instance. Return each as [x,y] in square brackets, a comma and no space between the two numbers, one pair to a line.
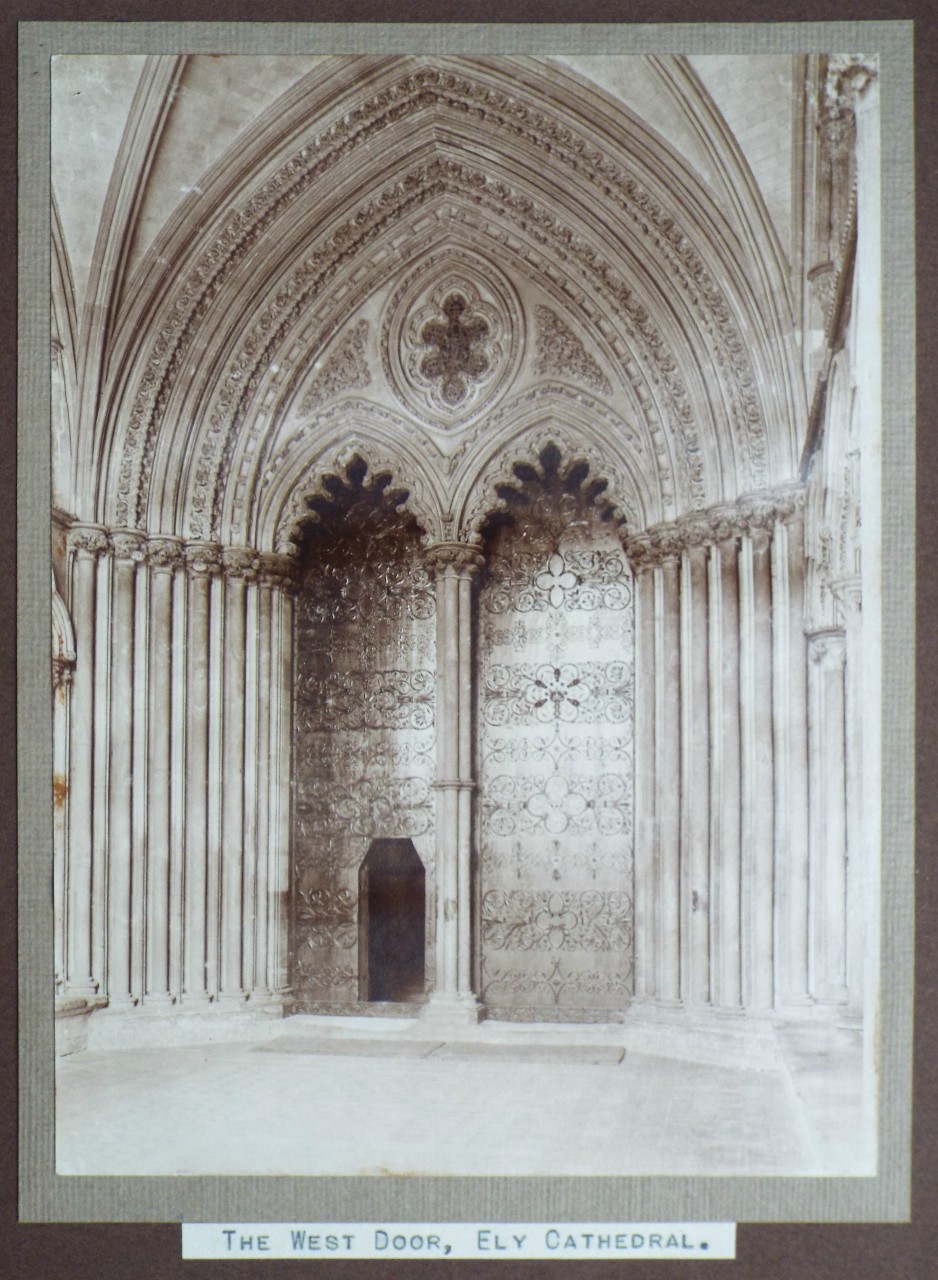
[535,453]
[355,466]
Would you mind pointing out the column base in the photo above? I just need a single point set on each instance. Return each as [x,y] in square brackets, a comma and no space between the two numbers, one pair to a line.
[443,1011]
[158,1001]
[195,1000]
[71,1025]
[231,1001]
[88,991]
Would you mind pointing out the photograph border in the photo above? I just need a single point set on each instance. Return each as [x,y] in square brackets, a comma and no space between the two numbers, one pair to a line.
[45,1197]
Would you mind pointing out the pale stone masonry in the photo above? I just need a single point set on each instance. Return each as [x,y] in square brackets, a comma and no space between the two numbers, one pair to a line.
[466,488]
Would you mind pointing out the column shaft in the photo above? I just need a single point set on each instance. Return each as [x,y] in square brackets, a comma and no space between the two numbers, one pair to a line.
[464,796]
[695,771]
[789,715]
[99,745]
[139,780]
[121,828]
[645,793]
[454,566]
[853,765]
[233,767]
[217,658]
[177,785]
[195,953]
[281,772]
[158,777]
[756,772]
[725,797]
[447,842]
[79,980]
[61,678]
[251,734]
[259,980]
[667,776]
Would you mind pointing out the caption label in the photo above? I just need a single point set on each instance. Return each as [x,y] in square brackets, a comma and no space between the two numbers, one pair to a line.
[459,1240]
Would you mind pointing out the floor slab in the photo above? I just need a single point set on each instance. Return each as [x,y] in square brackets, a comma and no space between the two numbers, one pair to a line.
[317,1099]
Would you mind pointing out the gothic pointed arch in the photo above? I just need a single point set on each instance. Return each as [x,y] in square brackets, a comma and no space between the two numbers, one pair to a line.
[553,144]
[355,432]
[580,444]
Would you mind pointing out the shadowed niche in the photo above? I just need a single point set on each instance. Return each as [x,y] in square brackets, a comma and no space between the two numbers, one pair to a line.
[551,491]
[391,922]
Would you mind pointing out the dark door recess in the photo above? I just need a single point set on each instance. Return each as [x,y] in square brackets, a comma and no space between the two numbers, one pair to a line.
[391,924]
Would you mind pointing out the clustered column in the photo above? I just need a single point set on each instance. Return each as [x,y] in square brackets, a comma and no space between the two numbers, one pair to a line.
[454,566]
[175,869]
[721,734]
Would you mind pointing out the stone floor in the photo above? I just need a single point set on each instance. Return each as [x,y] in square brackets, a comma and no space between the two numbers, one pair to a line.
[314,1095]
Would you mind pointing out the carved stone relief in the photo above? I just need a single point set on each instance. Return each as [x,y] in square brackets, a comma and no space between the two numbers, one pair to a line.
[451,338]
[555,727]
[364,721]
[346,369]
[560,351]
[520,123]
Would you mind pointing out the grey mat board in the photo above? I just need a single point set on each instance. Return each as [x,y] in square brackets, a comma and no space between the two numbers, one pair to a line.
[94,1199]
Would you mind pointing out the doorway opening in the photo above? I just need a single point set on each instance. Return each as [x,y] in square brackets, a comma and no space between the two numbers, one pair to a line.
[391,923]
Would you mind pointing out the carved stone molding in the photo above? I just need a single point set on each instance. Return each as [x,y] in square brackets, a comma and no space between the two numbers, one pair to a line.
[260,347]
[452,337]
[454,559]
[489,493]
[345,369]
[202,558]
[129,544]
[848,593]
[560,351]
[496,109]
[754,513]
[277,571]
[240,562]
[314,484]
[827,647]
[847,77]
[165,553]
[88,538]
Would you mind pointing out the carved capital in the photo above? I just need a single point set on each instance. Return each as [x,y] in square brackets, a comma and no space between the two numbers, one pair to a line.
[202,558]
[240,562]
[129,544]
[88,538]
[278,571]
[165,553]
[827,647]
[847,592]
[758,512]
[454,559]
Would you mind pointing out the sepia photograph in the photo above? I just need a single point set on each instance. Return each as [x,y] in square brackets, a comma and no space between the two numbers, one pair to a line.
[467,614]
